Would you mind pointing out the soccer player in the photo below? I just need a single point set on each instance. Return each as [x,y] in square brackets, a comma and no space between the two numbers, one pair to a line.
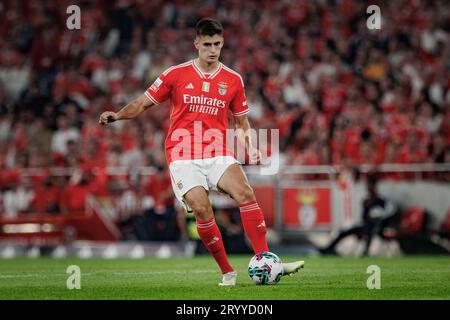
[201,92]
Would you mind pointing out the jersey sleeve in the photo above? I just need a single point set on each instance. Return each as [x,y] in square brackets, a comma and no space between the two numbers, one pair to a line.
[161,88]
[239,105]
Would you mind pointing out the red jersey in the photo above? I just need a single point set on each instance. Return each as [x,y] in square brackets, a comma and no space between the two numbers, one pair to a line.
[199,104]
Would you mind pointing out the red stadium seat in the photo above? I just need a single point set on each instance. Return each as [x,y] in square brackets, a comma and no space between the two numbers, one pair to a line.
[412,221]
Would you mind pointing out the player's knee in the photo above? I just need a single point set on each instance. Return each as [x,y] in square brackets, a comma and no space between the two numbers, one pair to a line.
[245,195]
[203,211]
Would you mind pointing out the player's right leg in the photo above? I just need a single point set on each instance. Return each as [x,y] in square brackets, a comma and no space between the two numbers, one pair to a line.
[197,199]
[190,187]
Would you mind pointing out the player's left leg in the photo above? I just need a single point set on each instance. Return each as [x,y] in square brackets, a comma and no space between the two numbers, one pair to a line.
[235,183]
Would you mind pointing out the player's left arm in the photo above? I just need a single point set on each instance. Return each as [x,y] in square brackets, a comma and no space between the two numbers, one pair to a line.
[242,123]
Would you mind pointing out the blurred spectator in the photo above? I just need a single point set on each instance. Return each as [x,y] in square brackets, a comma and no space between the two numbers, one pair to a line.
[162,217]
[46,197]
[159,187]
[63,135]
[17,196]
[73,197]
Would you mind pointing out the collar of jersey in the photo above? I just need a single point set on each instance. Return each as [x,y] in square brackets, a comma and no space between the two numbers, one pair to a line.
[203,75]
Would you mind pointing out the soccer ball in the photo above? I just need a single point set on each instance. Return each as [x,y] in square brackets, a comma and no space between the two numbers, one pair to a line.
[265,268]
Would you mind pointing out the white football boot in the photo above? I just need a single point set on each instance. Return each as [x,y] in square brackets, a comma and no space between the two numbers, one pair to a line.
[229,279]
[290,268]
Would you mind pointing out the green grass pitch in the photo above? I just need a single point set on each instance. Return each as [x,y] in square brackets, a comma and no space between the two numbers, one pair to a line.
[197,278]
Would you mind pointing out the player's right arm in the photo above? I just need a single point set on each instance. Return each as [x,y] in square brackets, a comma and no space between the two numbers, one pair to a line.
[157,93]
[130,111]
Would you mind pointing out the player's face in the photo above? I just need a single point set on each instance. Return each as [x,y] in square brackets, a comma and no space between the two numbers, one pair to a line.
[209,47]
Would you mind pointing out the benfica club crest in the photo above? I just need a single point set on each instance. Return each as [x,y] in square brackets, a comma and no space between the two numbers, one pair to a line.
[307,212]
[222,88]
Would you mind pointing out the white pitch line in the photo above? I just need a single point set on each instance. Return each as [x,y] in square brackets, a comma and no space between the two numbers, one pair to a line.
[150,273]
[161,272]
[8,276]
[36,275]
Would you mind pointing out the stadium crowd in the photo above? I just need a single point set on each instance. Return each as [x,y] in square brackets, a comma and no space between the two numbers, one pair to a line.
[338,92]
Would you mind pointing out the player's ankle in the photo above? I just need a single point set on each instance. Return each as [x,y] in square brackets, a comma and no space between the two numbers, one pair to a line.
[229,272]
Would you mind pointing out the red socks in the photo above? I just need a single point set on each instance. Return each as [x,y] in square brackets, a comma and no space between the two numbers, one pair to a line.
[254,226]
[212,239]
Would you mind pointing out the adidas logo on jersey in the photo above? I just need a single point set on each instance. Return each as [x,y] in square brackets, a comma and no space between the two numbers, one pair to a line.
[189,86]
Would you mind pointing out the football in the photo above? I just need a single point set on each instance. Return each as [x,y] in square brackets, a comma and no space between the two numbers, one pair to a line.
[265,268]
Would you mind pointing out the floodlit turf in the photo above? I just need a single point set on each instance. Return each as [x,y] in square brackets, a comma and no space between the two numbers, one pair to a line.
[197,278]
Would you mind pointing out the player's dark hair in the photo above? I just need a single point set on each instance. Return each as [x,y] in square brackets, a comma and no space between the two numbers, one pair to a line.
[208,27]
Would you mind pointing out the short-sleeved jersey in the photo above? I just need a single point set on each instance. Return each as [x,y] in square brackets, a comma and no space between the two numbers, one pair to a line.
[199,104]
